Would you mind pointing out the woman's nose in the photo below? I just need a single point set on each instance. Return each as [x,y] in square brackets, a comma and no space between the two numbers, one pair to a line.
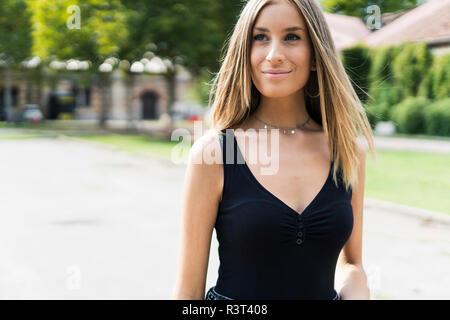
[275,53]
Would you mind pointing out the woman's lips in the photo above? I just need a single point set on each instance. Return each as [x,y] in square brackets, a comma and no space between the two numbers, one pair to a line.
[275,75]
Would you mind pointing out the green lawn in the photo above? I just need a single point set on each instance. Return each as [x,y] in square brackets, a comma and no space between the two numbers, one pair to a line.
[419,136]
[24,135]
[135,143]
[60,125]
[411,178]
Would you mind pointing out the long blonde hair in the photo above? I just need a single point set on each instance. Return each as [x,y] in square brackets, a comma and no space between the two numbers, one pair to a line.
[337,107]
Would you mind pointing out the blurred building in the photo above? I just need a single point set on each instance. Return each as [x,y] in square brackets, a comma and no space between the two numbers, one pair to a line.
[146,99]
[429,23]
[346,31]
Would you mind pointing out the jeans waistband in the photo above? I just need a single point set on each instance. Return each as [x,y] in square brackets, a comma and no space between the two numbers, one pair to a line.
[337,297]
[213,295]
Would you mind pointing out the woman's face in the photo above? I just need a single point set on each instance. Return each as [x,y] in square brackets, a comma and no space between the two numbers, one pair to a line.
[275,48]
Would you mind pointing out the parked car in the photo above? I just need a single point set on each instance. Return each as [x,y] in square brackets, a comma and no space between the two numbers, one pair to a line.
[30,113]
[188,111]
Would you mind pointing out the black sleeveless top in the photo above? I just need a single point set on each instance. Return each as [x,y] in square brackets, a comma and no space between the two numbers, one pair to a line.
[267,250]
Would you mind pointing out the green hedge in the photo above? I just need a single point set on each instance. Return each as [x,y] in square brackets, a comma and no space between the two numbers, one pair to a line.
[380,76]
[356,61]
[408,115]
[404,81]
[437,118]
[377,112]
[441,78]
[410,67]
[436,83]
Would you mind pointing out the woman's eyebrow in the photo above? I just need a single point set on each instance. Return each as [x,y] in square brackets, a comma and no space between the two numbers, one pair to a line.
[287,29]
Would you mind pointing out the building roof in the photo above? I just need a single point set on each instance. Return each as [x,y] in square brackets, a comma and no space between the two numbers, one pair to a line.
[389,17]
[346,30]
[429,22]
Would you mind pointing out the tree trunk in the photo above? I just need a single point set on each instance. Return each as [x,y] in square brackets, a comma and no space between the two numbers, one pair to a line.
[171,81]
[7,95]
[29,88]
[38,81]
[129,83]
[104,85]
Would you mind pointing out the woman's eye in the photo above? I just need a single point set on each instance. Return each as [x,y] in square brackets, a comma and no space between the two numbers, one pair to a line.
[257,37]
[291,34]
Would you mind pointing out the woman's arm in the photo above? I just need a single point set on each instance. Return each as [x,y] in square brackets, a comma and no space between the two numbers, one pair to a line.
[201,195]
[350,275]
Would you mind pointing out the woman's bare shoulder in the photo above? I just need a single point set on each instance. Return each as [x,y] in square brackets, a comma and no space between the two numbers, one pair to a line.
[205,161]
[207,147]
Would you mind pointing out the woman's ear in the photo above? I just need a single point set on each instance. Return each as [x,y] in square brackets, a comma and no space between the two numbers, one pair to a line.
[313,65]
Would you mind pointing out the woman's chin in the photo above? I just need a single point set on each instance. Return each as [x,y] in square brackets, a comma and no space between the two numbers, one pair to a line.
[275,93]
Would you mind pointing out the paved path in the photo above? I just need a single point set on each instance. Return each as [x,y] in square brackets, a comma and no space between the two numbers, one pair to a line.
[78,221]
[412,144]
[381,142]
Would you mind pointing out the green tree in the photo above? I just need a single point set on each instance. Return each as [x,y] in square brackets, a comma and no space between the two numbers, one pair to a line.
[102,30]
[15,42]
[190,33]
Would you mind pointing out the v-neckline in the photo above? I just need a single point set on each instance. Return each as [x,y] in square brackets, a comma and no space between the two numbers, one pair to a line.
[272,195]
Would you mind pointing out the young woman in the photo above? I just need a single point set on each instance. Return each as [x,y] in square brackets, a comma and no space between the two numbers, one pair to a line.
[281,235]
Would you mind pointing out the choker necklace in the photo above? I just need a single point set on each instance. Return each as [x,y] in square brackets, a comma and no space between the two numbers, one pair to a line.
[289,131]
